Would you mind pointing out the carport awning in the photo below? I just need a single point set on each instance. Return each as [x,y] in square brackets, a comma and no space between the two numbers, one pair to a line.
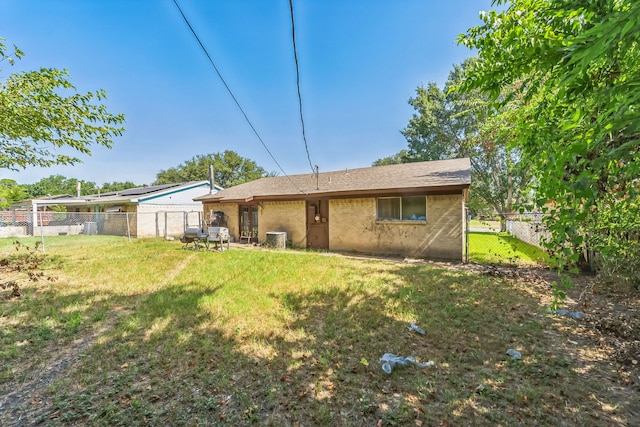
[114,209]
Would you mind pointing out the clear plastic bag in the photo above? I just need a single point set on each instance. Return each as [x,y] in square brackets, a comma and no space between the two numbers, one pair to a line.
[389,361]
[416,328]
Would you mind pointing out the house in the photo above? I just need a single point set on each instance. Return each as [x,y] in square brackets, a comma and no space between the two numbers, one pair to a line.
[16,220]
[157,210]
[412,209]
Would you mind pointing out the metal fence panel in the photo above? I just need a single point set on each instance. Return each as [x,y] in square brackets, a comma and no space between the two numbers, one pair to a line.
[22,223]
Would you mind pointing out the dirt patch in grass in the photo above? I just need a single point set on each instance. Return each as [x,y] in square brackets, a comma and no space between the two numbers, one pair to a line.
[26,401]
[610,316]
[608,330]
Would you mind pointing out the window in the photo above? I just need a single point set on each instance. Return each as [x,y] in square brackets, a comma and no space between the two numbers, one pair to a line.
[413,208]
[389,208]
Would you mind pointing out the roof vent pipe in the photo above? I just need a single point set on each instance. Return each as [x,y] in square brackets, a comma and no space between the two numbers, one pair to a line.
[78,189]
[211,180]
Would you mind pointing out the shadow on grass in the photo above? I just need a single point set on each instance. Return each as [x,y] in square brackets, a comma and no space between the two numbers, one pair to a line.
[180,355]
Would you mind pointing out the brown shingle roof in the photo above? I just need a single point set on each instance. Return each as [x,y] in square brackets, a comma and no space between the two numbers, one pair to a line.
[440,175]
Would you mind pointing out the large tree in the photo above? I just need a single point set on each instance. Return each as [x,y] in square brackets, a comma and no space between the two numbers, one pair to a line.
[229,169]
[43,120]
[449,124]
[399,157]
[10,191]
[116,186]
[576,66]
[58,184]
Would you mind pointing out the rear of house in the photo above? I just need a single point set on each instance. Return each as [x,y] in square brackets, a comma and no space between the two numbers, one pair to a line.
[413,209]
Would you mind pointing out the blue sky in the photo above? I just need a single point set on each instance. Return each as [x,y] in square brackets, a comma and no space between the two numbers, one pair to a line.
[360,62]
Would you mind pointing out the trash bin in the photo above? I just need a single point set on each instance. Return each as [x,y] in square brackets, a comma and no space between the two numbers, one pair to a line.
[277,239]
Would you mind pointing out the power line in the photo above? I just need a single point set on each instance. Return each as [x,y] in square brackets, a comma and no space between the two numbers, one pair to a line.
[204,49]
[295,57]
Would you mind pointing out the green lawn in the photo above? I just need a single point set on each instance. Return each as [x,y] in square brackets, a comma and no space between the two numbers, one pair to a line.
[501,248]
[146,333]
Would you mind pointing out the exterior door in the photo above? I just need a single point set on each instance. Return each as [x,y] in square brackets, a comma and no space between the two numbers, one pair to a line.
[249,223]
[318,223]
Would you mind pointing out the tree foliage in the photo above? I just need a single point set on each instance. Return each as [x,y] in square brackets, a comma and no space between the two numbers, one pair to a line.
[42,118]
[58,184]
[395,159]
[450,124]
[116,186]
[575,64]
[10,192]
[229,169]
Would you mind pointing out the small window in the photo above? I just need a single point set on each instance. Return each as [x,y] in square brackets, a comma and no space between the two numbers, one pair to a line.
[413,208]
[389,208]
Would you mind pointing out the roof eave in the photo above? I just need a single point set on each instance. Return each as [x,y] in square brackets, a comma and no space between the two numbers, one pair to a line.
[442,189]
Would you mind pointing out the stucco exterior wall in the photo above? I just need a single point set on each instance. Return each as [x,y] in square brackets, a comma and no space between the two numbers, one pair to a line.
[283,216]
[180,197]
[165,220]
[169,208]
[353,226]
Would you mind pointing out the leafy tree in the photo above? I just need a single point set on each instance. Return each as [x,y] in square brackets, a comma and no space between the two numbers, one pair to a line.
[399,157]
[442,122]
[576,66]
[451,124]
[58,184]
[10,192]
[229,169]
[41,113]
[117,186]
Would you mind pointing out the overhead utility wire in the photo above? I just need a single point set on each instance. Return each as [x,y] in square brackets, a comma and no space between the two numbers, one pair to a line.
[204,49]
[295,57]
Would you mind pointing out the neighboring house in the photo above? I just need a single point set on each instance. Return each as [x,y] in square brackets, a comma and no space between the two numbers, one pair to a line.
[412,209]
[20,212]
[16,220]
[160,210]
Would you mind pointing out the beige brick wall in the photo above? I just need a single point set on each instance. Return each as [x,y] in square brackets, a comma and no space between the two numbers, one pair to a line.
[445,221]
[287,216]
[353,226]
[231,214]
[116,225]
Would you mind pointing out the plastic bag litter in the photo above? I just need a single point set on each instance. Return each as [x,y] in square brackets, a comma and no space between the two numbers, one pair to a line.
[389,361]
[563,312]
[416,328]
[514,353]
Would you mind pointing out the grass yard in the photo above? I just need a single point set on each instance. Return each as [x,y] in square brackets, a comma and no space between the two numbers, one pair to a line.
[145,333]
[501,248]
